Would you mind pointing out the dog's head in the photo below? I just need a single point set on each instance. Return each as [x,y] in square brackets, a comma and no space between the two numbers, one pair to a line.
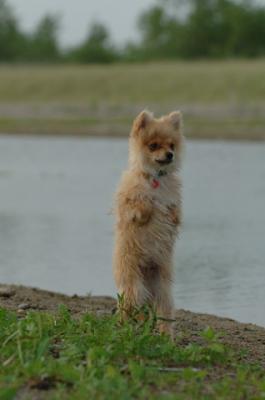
[155,144]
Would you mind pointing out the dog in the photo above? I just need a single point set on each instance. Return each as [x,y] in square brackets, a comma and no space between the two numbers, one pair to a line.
[148,216]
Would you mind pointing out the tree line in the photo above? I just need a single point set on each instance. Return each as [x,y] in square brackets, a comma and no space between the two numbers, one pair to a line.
[171,29]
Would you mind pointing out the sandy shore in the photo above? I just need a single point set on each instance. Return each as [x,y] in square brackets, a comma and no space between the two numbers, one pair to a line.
[247,337]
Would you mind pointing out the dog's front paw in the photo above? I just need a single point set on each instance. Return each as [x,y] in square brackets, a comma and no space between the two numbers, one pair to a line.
[141,214]
[138,211]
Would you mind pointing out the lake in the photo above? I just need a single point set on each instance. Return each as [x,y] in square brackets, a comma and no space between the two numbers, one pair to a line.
[56,227]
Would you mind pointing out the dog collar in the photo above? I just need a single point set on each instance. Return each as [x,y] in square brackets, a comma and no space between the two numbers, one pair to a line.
[161,173]
[155,180]
[155,183]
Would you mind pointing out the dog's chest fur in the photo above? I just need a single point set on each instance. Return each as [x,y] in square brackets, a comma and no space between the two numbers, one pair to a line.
[159,236]
[167,194]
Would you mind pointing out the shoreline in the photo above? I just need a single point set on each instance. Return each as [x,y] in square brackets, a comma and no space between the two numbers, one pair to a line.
[239,336]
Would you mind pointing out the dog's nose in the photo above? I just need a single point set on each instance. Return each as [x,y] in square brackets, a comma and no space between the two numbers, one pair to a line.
[169,155]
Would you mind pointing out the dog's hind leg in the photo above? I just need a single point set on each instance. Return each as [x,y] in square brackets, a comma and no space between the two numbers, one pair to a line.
[164,305]
[132,290]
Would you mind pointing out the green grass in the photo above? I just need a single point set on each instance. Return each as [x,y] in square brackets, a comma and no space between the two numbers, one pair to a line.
[219,98]
[160,83]
[99,358]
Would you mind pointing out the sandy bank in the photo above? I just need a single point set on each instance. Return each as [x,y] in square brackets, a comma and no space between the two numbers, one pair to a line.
[247,337]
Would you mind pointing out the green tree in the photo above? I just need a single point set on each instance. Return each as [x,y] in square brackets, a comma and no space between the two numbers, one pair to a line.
[96,48]
[201,29]
[43,44]
[160,34]
[12,40]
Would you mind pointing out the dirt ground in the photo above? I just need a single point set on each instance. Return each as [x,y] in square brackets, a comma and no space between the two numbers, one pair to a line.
[202,121]
[247,337]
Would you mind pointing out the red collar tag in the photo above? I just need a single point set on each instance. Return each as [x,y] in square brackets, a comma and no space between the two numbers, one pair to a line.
[155,183]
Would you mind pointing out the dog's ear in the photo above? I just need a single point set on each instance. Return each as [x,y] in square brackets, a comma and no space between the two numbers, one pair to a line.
[175,119]
[142,121]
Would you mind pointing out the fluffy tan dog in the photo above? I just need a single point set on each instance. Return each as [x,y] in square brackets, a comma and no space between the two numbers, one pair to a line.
[148,212]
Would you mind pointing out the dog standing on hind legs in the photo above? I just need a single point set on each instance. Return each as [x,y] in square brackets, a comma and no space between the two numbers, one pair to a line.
[148,215]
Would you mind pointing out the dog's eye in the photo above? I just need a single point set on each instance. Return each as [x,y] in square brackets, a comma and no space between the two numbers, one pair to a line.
[153,146]
[172,146]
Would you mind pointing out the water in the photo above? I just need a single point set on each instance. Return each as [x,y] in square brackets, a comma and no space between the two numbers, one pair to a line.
[56,230]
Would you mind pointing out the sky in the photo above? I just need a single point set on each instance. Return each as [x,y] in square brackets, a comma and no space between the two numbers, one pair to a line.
[76,15]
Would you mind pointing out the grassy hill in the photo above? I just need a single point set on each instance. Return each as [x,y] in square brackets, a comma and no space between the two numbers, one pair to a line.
[224,99]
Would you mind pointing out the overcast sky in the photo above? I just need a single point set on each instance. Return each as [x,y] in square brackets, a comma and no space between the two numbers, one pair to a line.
[118,15]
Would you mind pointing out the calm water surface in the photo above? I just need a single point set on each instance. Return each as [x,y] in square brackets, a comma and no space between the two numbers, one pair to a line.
[56,229]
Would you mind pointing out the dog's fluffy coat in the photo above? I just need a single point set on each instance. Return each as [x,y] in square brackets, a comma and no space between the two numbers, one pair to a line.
[148,213]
